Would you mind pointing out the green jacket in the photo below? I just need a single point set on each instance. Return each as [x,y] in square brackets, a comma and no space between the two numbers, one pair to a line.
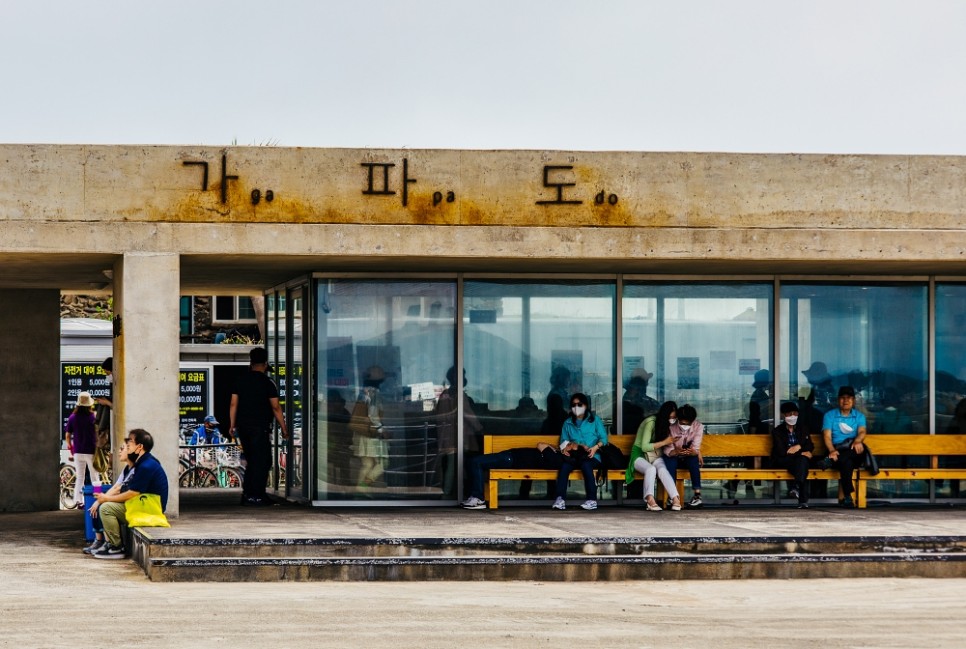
[643,443]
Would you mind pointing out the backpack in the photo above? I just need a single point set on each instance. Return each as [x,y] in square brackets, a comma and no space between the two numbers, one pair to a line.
[611,457]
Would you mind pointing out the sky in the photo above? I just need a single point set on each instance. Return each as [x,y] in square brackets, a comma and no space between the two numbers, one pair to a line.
[870,76]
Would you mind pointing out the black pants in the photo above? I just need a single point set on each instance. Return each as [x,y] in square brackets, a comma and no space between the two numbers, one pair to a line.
[847,463]
[797,465]
[256,443]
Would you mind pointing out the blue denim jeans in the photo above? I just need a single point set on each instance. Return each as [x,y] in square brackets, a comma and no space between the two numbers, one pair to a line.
[483,463]
[586,468]
[690,462]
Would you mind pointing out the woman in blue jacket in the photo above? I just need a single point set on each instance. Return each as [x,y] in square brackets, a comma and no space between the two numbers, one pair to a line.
[582,437]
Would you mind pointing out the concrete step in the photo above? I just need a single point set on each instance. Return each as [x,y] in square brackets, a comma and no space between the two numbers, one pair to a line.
[547,559]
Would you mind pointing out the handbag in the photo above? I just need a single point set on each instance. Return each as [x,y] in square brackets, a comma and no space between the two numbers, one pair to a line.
[870,463]
[145,511]
[651,455]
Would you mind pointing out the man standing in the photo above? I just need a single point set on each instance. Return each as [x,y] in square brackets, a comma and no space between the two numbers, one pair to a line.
[148,477]
[254,403]
[844,428]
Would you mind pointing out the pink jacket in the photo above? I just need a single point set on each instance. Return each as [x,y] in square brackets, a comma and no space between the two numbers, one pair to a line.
[682,438]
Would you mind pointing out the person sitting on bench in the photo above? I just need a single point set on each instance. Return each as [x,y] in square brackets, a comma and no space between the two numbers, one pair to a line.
[543,456]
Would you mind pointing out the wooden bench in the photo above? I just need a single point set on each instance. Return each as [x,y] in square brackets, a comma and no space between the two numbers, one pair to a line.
[498,443]
[757,447]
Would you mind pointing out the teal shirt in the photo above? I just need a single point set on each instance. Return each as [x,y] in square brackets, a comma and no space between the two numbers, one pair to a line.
[584,432]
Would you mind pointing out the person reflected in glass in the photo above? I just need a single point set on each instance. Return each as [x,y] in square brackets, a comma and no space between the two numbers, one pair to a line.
[685,449]
[447,419]
[556,416]
[581,438]
[844,429]
[822,396]
[636,404]
[654,434]
[340,439]
[368,431]
[791,449]
[560,379]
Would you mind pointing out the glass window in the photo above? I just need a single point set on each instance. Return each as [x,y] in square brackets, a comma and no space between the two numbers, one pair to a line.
[950,380]
[707,344]
[186,315]
[872,337]
[246,309]
[224,307]
[385,349]
[528,346]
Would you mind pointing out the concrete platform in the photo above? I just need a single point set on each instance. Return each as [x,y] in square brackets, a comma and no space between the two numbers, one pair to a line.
[216,540]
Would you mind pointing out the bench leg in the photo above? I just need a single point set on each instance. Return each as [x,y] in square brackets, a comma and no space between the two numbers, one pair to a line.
[860,491]
[493,490]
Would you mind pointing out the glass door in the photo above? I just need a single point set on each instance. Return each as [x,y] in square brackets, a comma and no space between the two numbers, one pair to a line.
[292,460]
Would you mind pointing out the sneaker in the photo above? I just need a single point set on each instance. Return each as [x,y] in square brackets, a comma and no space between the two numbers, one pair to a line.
[559,503]
[108,551]
[589,505]
[793,493]
[803,505]
[696,501]
[95,546]
[848,503]
[473,503]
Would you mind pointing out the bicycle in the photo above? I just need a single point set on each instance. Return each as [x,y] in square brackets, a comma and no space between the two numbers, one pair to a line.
[211,465]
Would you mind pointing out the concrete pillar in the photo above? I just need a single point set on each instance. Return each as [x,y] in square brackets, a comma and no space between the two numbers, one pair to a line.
[146,299]
[30,423]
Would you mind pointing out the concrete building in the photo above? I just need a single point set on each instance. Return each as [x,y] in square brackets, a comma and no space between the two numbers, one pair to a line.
[535,272]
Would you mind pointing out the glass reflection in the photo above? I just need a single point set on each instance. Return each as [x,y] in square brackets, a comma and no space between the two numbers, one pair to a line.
[384,348]
[528,347]
[841,334]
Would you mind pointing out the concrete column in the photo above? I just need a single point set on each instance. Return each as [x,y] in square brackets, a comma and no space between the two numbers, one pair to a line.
[146,299]
[30,421]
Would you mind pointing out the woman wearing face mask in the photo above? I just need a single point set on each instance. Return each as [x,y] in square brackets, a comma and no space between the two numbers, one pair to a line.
[654,434]
[685,449]
[791,449]
[581,438]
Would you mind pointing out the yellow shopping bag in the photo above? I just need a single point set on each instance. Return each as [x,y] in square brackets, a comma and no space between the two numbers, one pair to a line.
[145,511]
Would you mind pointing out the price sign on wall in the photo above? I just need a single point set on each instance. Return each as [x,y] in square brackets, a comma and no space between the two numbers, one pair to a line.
[76,378]
[193,396]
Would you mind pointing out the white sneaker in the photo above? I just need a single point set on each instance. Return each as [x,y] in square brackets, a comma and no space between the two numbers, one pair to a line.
[473,503]
[589,505]
[559,503]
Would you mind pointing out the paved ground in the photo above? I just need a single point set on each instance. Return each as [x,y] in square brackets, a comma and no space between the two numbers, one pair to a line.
[53,596]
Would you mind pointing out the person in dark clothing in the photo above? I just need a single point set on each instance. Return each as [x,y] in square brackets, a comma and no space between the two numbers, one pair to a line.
[791,449]
[254,403]
[544,456]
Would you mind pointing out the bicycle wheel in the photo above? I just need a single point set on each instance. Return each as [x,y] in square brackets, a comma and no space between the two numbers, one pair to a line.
[197,477]
[68,477]
[230,478]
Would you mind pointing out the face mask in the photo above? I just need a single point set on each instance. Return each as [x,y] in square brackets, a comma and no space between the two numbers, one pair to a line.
[685,427]
[791,420]
[133,457]
[672,421]
[579,410]
[110,379]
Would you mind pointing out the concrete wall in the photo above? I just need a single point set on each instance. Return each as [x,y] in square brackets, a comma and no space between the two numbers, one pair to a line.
[29,399]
